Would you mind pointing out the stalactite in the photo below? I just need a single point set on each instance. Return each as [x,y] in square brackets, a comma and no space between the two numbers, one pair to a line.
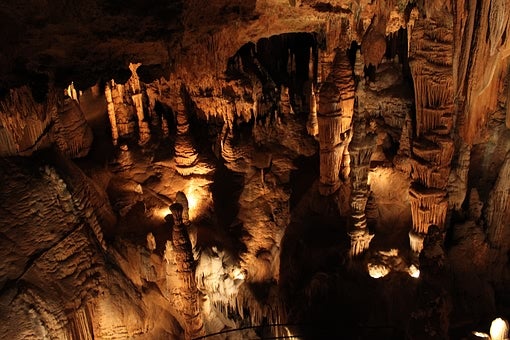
[428,206]
[458,181]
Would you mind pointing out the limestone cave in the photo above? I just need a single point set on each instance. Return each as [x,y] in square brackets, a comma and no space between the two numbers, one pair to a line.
[258,169]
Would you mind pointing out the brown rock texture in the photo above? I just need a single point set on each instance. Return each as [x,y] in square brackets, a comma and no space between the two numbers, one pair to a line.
[313,155]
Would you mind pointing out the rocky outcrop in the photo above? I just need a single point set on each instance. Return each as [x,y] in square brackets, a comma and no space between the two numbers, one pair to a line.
[497,211]
[481,62]
[27,126]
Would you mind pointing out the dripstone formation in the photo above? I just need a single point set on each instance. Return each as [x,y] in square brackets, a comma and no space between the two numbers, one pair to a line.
[254,169]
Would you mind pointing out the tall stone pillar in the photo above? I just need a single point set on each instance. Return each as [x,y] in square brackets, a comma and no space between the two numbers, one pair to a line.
[185,266]
[360,149]
[111,113]
[432,149]
[336,106]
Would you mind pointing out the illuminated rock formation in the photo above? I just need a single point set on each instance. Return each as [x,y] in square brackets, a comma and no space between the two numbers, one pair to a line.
[432,149]
[312,125]
[187,293]
[360,150]
[336,105]
[265,90]
[481,53]
[71,132]
[498,230]
[185,153]
[27,126]
[127,108]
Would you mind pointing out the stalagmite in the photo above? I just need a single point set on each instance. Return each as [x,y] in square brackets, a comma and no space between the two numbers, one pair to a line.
[185,267]
[312,124]
[285,105]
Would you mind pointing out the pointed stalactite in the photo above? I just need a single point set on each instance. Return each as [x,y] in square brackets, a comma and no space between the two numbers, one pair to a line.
[401,160]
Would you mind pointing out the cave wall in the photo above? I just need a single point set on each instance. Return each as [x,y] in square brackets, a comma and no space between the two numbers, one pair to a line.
[410,127]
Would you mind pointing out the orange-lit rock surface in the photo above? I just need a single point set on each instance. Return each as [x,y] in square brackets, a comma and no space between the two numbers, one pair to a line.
[306,147]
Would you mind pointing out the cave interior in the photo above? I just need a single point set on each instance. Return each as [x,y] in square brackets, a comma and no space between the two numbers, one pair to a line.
[261,169]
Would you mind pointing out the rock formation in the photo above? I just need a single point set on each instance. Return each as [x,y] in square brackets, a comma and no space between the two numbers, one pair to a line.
[433,148]
[28,126]
[335,110]
[360,150]
[284,135]
[188,294]
[185,153]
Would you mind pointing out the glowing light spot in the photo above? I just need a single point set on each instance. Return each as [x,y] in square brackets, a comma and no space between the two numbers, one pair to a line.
[481,335]
[162,212]
[195,193]
[499,329]
[377,270]
[238,274]
[413,271]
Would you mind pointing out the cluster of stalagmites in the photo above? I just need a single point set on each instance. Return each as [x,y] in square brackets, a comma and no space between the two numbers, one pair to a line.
[126,108]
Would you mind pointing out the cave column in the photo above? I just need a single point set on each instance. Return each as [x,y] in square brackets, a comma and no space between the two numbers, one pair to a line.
[111,113]
[336,105]
[360,149]
[135,87]
[432,149]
